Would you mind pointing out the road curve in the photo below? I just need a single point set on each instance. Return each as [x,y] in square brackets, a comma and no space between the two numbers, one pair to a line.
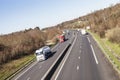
[83,61]
[37,70]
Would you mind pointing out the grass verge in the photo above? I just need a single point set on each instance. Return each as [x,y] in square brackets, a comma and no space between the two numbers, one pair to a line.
[10,68]
[110,49]
[7,69]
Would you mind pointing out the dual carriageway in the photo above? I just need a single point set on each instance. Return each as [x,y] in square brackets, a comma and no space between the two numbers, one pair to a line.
[78,58]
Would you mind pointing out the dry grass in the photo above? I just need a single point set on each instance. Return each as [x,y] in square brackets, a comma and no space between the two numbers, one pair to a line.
[9,68]
[105,19]
[112,50]
[100,21]
[19,44]
[16,49]
[114,35]
[16,45]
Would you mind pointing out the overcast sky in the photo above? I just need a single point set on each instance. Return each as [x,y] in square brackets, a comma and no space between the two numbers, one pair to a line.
[16,15]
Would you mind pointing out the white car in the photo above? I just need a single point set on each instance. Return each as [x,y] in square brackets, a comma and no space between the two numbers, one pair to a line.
[43,53]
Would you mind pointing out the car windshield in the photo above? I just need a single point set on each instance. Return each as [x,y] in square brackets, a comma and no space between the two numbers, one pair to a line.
[39,53]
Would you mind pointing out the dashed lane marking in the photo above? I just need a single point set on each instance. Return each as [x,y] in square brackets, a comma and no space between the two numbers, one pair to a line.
[88,39]
[77,67]
[67,55]
[79,57]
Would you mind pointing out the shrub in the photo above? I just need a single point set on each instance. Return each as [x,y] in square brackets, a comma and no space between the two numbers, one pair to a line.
[18,44]
[114,35]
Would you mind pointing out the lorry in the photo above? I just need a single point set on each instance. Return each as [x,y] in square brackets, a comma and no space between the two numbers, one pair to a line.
[43,53]
[83,31]
[62,38]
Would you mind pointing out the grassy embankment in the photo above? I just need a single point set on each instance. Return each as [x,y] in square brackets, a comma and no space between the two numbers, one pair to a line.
[13,66]
[10,68]
[14,58]
[111,50]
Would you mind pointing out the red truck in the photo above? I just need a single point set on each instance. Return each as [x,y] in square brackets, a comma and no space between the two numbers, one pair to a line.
[62,38]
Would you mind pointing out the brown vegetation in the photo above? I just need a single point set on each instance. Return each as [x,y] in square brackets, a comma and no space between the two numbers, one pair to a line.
[114,35]
[104,22]
[18,44]
[100,22]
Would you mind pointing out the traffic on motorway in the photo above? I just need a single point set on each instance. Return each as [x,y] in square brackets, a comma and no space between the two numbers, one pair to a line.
[77,58]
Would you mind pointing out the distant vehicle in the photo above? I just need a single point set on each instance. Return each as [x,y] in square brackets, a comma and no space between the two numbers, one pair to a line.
[78,29]
[83,31]
[88,27]
[67,31]
[62,38]
[43,53]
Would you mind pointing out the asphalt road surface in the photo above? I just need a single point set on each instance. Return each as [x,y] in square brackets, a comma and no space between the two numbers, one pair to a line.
[83,61]
[38,69]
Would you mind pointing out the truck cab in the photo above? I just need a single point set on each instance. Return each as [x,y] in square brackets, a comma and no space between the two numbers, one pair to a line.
[83,31]
[43,53]
[62,38]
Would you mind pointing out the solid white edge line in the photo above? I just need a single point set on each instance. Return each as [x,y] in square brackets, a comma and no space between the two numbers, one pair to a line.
[94,54]
[28,78]
[32,65]
[65,59]
[88,39]
[52,65]
[25,71]
[55,46]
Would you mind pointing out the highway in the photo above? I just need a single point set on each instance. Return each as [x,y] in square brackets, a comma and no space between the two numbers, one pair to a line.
[83,61]
[37,69]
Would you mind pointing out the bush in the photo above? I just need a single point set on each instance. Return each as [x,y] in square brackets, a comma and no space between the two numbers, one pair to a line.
[114,35]
[19,44]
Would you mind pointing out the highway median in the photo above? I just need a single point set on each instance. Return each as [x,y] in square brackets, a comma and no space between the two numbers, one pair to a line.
[48,75]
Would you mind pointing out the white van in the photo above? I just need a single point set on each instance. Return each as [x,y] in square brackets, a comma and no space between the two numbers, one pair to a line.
[43,53]
[83,31]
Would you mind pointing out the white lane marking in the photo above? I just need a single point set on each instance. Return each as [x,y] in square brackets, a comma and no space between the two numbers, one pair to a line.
[40,67]
[67,55]
[77,67]
[88,39]
[94,54]
[52,65]
[28,78]
[26,70]
[55,46]
[79,57]
[34,64]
